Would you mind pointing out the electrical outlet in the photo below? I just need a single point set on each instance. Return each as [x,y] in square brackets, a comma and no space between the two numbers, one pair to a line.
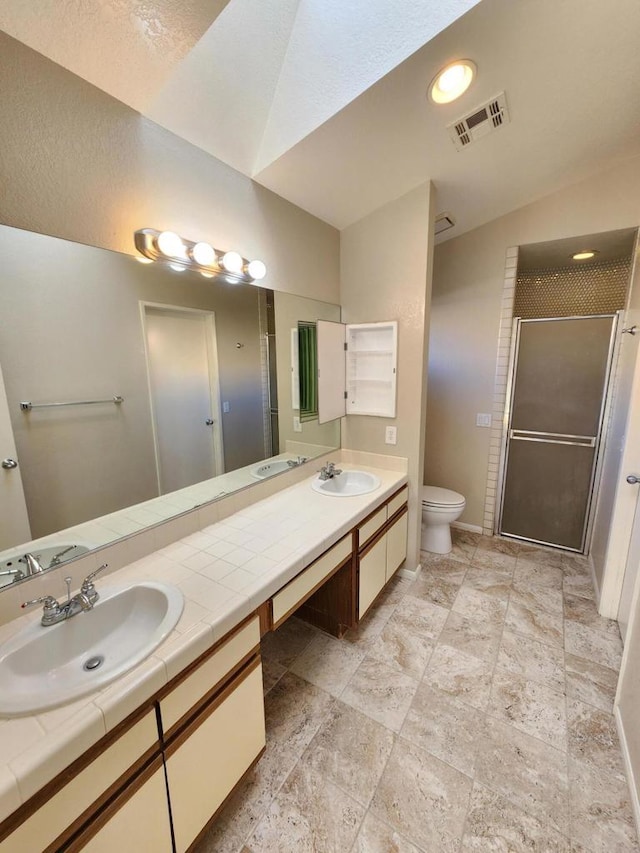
[390,435]
[483,420]
[226,407]
[297,426]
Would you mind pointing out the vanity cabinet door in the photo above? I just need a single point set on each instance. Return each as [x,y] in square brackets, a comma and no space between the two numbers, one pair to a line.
[137,820]
[372,575]
[396,545]
[208,758]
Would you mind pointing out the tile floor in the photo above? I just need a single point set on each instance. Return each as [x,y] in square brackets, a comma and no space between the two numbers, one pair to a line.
[471,711]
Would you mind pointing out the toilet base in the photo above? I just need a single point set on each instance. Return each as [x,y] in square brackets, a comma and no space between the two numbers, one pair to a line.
[436,538]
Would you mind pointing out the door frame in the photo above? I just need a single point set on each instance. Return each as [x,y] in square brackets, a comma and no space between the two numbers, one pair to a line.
[214,379]
[599,446]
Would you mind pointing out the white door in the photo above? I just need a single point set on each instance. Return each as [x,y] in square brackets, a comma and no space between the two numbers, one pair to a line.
[630,576]
[183,381]
[14,521]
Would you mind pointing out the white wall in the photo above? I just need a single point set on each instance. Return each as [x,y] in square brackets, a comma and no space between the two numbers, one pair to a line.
[465,315]
[385,272]
[78,164]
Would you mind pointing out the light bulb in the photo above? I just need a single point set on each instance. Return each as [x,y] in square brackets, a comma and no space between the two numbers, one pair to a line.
[452,81]
[203,254]
[177,267]
[206,274]
[232,262]
[169,243]
[256,270]
[142,260]
[585,255]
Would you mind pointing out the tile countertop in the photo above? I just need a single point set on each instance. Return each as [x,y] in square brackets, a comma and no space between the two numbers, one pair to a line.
[225,571]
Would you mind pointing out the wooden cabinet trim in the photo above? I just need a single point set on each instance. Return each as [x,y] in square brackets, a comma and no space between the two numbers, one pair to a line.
[383,530]
[177,738]
[104,815]
[34,803]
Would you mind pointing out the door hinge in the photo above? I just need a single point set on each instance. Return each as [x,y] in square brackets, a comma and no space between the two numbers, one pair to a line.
[345,395]
[346,346]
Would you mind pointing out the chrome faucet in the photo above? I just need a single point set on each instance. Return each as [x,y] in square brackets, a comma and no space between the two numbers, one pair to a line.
[329,471]
[55,560]
[293,463]
[54,612]
[33,564]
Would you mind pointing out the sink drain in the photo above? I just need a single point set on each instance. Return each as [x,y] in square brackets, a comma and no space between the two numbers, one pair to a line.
[93,663]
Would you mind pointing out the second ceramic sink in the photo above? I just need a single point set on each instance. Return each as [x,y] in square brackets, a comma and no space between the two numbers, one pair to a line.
[347,484]
[41,668]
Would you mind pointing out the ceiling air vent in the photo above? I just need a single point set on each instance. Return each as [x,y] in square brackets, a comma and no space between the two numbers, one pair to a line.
[444,221]
[487,118]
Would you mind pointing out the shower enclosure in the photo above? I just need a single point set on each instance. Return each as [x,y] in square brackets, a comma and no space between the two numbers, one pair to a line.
[555,410]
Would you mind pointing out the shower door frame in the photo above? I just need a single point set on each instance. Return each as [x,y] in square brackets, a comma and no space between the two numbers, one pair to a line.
[599,444]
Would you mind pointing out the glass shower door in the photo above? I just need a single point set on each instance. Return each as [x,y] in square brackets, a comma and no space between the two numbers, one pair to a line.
[561,371]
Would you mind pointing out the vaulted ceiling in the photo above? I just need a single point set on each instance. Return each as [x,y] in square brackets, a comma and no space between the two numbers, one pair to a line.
[324,101]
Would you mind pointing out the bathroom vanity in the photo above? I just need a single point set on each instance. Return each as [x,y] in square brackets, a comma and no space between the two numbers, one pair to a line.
[181,730]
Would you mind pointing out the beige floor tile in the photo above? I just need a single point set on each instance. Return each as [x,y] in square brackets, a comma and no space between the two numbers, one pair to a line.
[443,726]
[478,605]
[445,566]
[464,541]
[591,682]
[490,559]
[585,612]
[272,672]
[531,572]
[328,663]
[532,659]
[284,645]
[601,815]
[494,582]
[477,637]
[593,738]
[592,645]
[431,808]
[400,649]
[380,692]
[439,590]
[496,545]
[294,711]
[539,595]
[530,707]
[375,836]
[545,556]
[461,675]
[494,824]
[525,616]
[309,815]
[350,750]
[528,772]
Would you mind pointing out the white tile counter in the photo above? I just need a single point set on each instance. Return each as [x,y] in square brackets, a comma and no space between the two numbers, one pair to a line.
[225,571]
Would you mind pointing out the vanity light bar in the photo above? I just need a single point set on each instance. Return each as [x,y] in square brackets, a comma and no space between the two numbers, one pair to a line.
[169,248]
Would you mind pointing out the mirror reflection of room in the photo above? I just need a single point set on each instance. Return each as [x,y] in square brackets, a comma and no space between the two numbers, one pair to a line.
[196,363]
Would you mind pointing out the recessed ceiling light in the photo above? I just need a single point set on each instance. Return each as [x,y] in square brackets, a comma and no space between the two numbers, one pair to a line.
[452,81]
[584,255]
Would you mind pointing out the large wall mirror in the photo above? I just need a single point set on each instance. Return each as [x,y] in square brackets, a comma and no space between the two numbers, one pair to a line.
[200,371]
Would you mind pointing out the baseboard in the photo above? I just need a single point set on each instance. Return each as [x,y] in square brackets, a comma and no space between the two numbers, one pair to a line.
[461,525]
[631,782]
[410,574]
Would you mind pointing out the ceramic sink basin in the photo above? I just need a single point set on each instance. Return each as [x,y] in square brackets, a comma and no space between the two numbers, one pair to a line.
[42,668]
[347,484]
[270,468]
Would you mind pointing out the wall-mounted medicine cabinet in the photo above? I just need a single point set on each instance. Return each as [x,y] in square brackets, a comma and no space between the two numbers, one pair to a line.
[356,369]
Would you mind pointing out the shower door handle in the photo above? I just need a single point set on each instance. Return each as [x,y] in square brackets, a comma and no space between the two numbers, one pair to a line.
[632,479]
[9,463]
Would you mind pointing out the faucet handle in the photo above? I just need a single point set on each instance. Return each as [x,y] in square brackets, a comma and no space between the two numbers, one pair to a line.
[50,603]
[88,581]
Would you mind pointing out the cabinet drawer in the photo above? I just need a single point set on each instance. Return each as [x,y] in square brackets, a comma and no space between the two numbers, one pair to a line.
[373,571]
[140,822]
[396,545]
[301,587]
[212,755]
[61,809]
[211,672]
[399,500]
[371,527]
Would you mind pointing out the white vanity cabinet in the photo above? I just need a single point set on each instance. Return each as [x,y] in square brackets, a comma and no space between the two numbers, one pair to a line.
[213,730]
[382,548]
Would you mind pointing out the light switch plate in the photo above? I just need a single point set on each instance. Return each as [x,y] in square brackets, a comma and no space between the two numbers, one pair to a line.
[483,420]
[297,426]
[226,407]
[390,435]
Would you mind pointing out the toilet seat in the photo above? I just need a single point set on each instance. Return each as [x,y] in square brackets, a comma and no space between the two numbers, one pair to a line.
[434,496]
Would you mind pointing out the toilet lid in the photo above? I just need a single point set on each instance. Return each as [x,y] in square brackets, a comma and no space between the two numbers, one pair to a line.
[435,496]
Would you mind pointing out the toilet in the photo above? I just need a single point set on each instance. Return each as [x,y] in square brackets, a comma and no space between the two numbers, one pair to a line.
[440,507]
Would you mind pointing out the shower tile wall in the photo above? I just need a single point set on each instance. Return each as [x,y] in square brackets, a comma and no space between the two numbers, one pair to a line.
[568,291]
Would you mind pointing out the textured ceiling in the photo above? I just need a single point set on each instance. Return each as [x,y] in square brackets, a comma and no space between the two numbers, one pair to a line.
[324,101]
